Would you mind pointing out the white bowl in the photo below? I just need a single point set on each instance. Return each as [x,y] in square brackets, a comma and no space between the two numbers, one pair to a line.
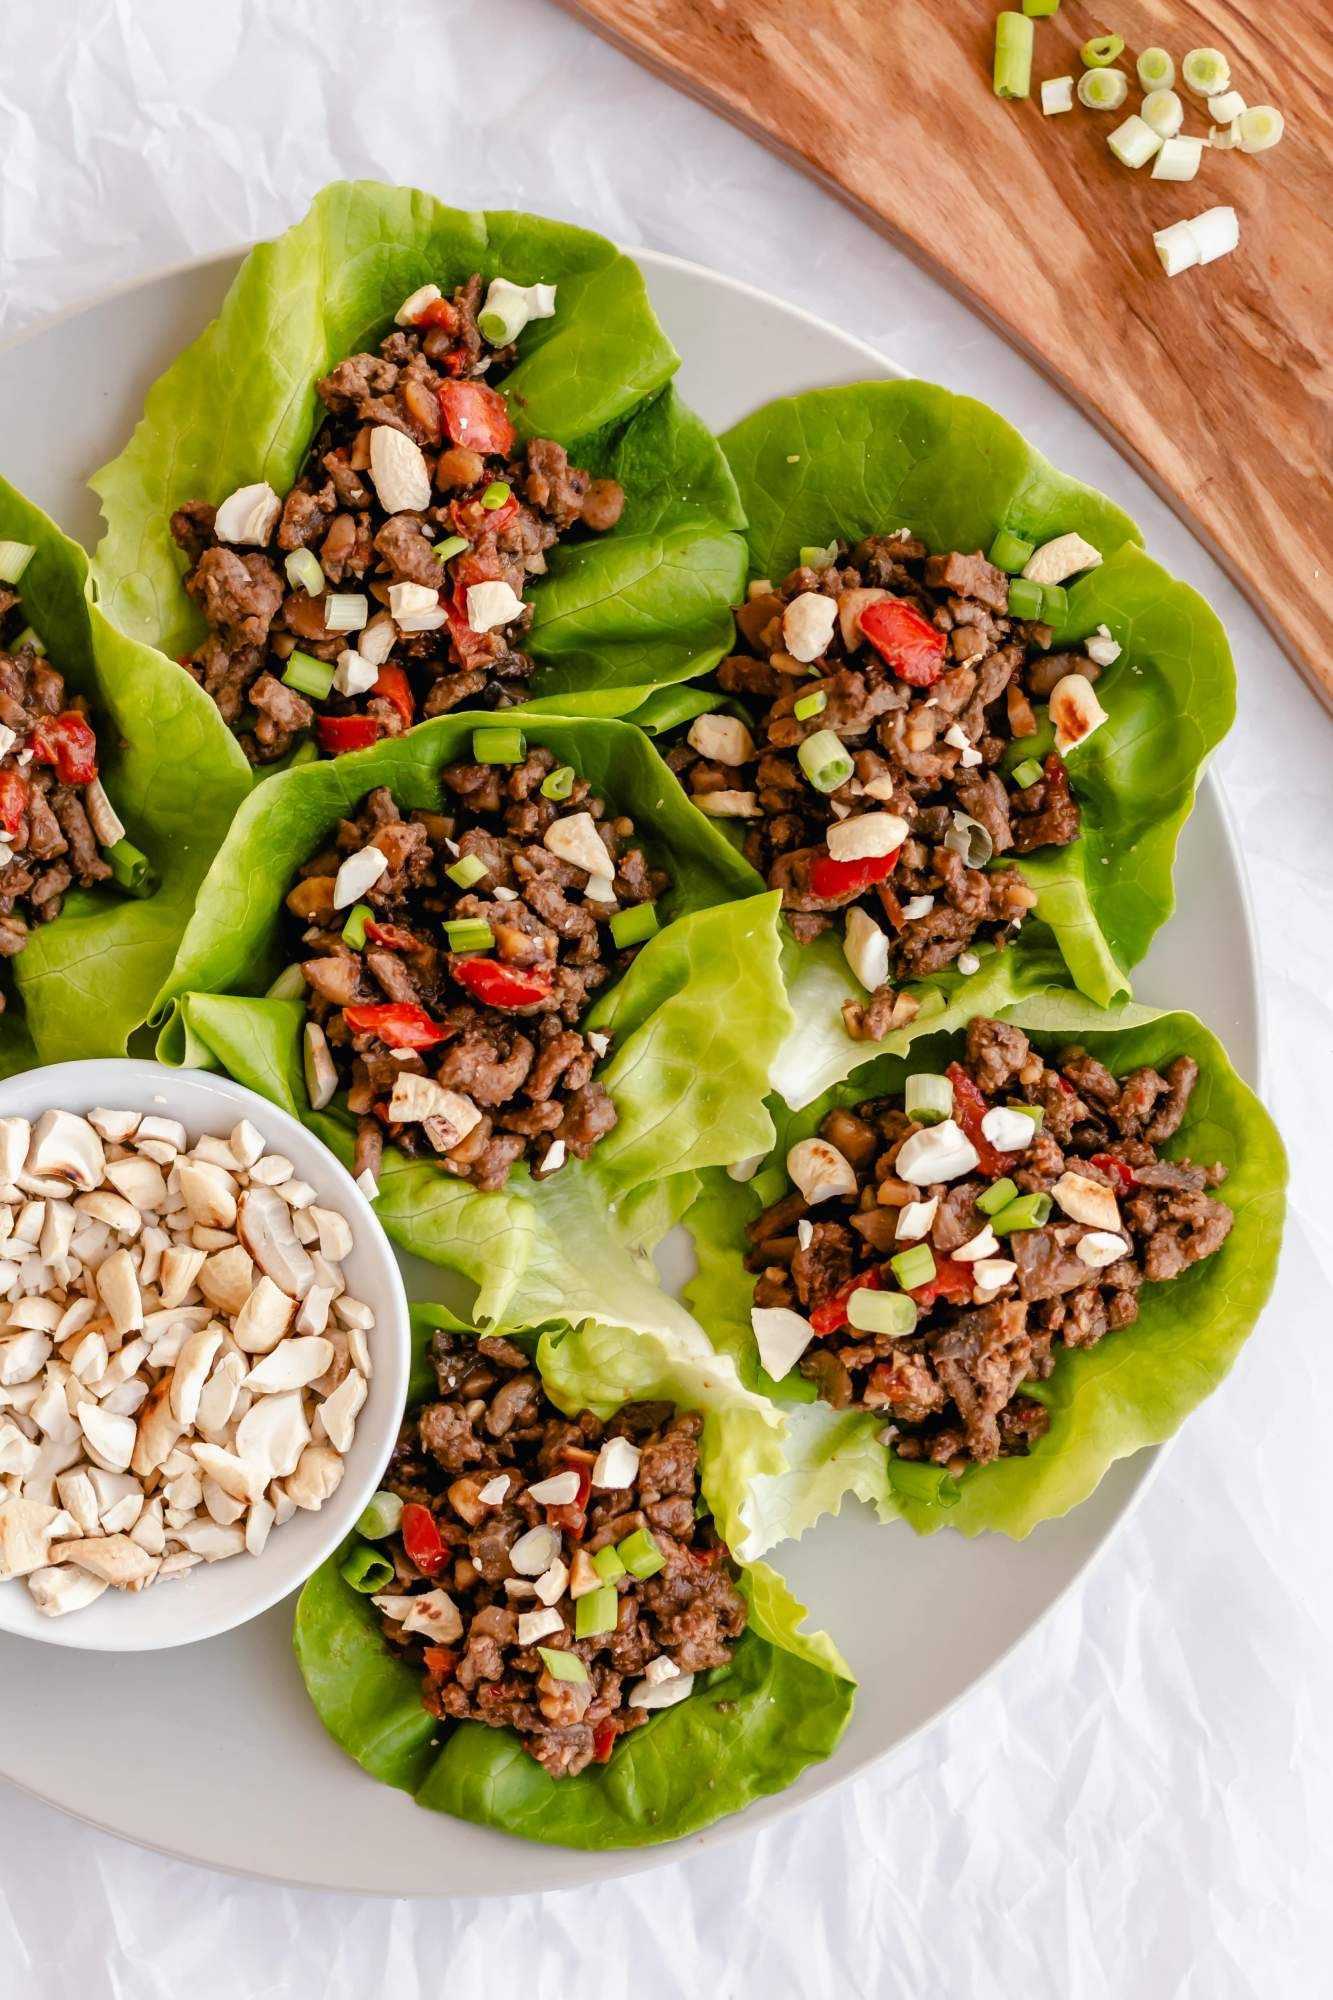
[213,1597]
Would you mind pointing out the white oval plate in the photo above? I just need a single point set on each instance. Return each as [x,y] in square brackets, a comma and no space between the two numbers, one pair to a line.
[920,1621]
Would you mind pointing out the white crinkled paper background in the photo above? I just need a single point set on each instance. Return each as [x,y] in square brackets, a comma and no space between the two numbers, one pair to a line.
[1140,1800]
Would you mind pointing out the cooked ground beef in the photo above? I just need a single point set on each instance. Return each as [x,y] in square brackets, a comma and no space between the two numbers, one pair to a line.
[492,1424]
[425,383]
[506,1074]
[990,1323]
[48,787]
[927,725]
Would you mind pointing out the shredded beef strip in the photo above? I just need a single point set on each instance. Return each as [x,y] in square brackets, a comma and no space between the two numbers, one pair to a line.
[955,1392]
[493,1418]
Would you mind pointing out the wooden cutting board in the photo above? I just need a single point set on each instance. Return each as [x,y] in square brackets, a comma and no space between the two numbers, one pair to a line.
[1218,384]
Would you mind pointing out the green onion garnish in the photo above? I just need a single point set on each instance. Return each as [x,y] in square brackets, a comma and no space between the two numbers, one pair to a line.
[498,746]
[928,1098]
[1206,71]
[913,1267]
[997,1196]
[1013,55]
[466,870]
[810,705]
[304,572]
[469,934]
[32,640]
[309,676]
[634,926]
[1156,70]
[1101,50]
[1103,89]
[881,1312]
[346,611]
[493,326]
[968,837]
[595,1612]
[366,1570]
[1029,772]
[1010,552]
[558,784]
[1024,598]
[563,1666]
[452,545]
[824,760]
[1032,1111]
[1039,9]
[131,870]
[640,1554]
[1054,604]
[14,559]
[1030,1211]
[607,1564]
[354,930]
[380,1516]
[495,495]
[289,984]
[813,558]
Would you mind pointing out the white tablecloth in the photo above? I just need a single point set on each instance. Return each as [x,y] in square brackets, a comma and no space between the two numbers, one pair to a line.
[1140,1801]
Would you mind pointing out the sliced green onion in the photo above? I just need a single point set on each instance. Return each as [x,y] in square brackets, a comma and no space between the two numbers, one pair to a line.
[305,573]
[1013,55]
[496,494]
[354,930]
[813,558]
[1156,70]
[881,1312]
[640,1554]
[366,1570]
[509,307]
[634,926]
[1206,72]
[1163,110]
[913,1267]
[32,640]
[968,837]
[309,676]
[1103,89]
[1024,598]
[607,1564]
[1030,1211]
[563,1666]
[1260,127]
[345,611]
[452,545]
[1009,552]
[1029,772]
[997,1196]
[1039,9]
[304,753]
[14,559]
[1054,604]
[498,746]
[131,869]
[810,705]
[466,870]
[928,1098]
[289,985]
[1032,1111]
[469,934]
[824,760]
[595,1612]
[380,1516]
[1226,107]
[1178,159]
[1057,95]
[558,784]
[1135,142]
[1101,50]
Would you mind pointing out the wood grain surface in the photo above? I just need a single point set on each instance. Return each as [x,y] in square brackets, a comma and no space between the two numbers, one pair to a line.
[1219,383]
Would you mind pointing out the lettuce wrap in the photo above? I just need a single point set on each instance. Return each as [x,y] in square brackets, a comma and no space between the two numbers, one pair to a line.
[695,1021]
[748,1729]
[875,456]
[646,604]
[1131,1390]
[87,980]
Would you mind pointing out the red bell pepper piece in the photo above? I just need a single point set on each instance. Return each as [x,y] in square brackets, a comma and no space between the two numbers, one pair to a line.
[1109,1164]
[13,800]
[969,1108]
[604,1742]
[422,1541]
[470,518]
[474,649]
[392,686]
[67,741]
[440,1662]
[398,1024]
[572,1515]
[830,878]
[909,643]
[832,1314]
[497,985]
[392,936]
[476,416]
[338,733]
[440,312]
[950,1279]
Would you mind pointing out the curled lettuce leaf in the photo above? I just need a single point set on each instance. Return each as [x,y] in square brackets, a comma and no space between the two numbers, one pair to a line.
[1133,1389]
[876,456]
[695,1021]
[87,980]
[641,607]
[747,1729]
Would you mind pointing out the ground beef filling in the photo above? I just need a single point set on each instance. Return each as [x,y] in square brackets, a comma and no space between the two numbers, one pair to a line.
[494,1424]
[426,382]
[48,787]
[954,1392]
[926,752]
[497,1030]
